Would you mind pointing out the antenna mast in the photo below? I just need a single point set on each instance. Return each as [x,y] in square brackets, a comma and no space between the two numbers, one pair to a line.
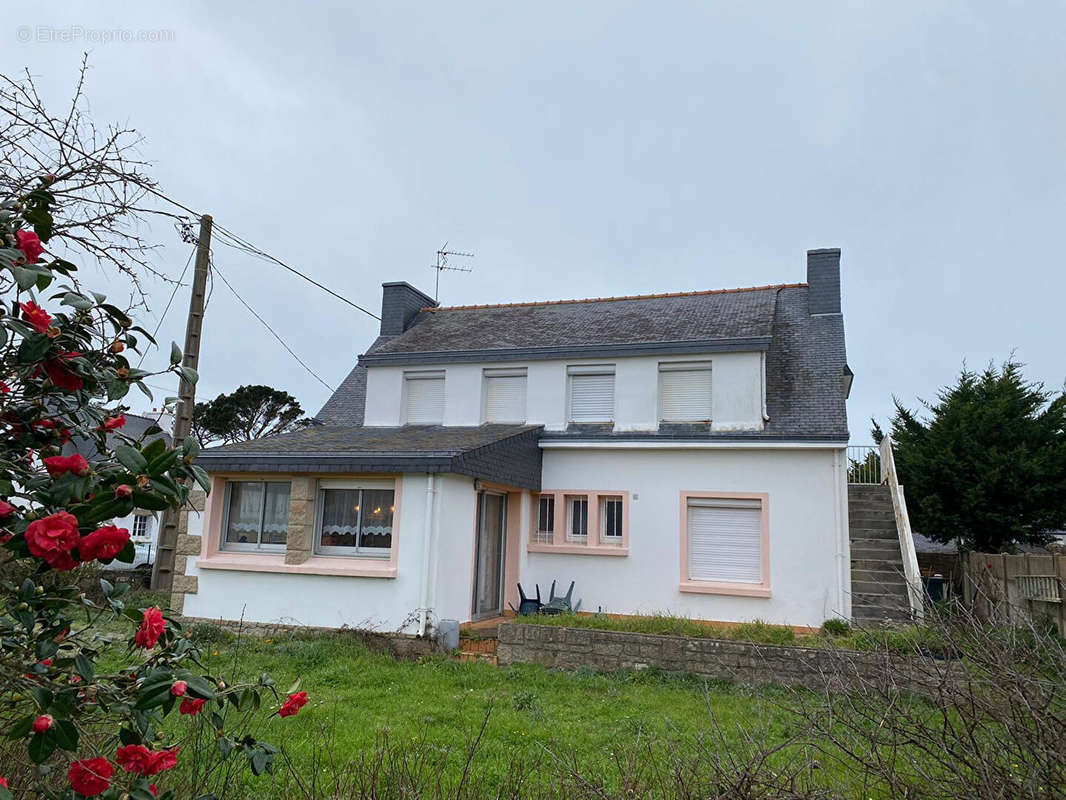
[442,264]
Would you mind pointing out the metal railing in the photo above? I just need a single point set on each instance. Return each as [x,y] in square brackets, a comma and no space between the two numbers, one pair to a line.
[864,464]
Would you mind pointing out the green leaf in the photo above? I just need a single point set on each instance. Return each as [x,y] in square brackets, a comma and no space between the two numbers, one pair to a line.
[200,688]
[24,278]
[127,553]
[201,476]
[41,747]
[33,348]
[77,301]
[154,449]
[151,502]
[131,459]
[188,374]
[260,762]
[84,667]
[175,354]
[107,587]
[21,728]
[66,735]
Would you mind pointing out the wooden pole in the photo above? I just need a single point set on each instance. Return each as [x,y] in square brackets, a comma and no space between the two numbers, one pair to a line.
[163,568]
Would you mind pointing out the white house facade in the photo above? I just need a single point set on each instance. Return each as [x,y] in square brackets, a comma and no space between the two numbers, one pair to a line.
[680,454]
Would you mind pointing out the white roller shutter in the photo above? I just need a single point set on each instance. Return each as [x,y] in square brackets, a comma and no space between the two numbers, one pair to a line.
[425,398]
[505,396]
[591,396]
[725,540]
[685,392]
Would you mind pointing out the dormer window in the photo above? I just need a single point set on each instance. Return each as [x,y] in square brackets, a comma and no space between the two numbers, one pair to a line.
[591,393]
[505,395]
[685,391]
[424,397]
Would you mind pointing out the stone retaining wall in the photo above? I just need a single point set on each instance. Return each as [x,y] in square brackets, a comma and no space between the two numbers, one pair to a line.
[740,662]
[401,645]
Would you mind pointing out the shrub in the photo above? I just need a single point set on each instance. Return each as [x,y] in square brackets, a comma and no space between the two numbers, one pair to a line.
[836,627]
[761,632]
[207,633]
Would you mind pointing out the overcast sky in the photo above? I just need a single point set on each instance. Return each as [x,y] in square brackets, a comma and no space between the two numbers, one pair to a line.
[589,149]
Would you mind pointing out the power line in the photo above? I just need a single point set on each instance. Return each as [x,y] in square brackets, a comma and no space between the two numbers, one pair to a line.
[177,286]
[266,325]
[246,246]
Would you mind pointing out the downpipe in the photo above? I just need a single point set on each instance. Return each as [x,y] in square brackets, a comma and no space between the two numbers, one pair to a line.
[428,529]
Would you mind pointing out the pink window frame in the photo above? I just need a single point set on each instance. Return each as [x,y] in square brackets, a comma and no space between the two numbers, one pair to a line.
[594,546]
[761,589]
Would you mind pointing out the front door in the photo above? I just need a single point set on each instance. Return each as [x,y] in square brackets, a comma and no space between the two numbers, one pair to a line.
[488,561]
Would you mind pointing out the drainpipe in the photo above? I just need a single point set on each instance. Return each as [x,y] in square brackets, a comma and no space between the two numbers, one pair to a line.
[840,514]
[427,535]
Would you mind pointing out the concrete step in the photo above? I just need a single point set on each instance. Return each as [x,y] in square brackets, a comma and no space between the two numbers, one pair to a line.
[873,615]
[876,503]
[886,532]
[479,646]
[887,601]
[895,588]
[865,548]
[478,657]
[876,564]
[870,515]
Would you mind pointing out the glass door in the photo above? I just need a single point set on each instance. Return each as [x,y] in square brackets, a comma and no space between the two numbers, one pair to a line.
[488,563]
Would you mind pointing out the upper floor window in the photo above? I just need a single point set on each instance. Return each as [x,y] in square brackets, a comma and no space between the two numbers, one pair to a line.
[256,515]
[505,395]
[685,391]
[424,397]
[591,393]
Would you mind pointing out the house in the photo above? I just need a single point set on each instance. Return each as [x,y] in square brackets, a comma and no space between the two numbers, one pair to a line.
[143,525]
[680,453]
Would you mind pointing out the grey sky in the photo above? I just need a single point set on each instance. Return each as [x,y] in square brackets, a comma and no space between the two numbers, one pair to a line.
[602,148]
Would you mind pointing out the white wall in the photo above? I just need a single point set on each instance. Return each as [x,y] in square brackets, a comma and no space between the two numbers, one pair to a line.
[737,384]
[806,523]
[384,604]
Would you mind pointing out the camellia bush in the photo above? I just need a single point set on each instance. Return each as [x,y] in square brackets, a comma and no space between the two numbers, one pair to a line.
[88,731]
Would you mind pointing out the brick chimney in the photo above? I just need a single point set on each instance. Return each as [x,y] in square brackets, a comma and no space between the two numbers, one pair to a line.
[400,304]
[823,281]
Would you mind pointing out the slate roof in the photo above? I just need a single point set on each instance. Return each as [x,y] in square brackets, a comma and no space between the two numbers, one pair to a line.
[712,320]
[505,453]
[135,428]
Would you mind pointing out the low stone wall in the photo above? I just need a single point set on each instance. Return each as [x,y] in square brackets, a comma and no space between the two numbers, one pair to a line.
[739,662]
[401,645]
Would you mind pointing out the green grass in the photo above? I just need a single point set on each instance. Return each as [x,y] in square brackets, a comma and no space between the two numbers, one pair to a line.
[534,714]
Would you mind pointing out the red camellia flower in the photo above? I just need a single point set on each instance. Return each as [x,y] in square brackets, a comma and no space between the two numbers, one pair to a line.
[6,509]
[191,706]
[135,758]
[43,723]
[293,704]
[91,776]
[114,423]
[3,782]
[61,465]
[38,318]
[59,373]
[153,790]
[52,539]
[123,490]
[30,245]
[106,542]
[4,388]
[165,759]
[53,425]
[179,688]
[152,627]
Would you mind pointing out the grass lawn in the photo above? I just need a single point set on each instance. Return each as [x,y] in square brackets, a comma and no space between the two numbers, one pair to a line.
[357,694]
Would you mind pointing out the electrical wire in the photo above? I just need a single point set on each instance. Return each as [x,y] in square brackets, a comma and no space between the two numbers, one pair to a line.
[177,286]
[243,244]
[214,268]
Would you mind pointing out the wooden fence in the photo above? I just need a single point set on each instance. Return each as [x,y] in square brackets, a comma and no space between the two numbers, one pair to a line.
[1016,589]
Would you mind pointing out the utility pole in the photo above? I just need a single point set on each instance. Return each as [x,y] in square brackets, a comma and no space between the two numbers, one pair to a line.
[163,568]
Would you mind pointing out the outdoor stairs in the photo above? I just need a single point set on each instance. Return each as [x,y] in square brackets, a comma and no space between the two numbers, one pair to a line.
[878,588]
[478,643]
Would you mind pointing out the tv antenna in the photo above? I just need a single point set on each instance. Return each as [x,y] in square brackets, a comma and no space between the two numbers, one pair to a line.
[442,264]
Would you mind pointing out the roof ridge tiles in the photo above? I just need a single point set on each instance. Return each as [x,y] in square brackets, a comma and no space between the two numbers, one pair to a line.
[697,293]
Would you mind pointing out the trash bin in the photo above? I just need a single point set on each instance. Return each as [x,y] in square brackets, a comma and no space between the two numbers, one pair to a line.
[936,588]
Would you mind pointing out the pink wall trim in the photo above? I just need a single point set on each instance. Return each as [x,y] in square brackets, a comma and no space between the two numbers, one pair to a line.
[761,589]
[212,556]
[593,545]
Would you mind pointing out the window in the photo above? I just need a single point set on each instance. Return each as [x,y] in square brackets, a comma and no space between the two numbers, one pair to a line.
[577,519]
[611,519]
[424,392]
[589,523]
[545,531]
[685,391]
[355,520]
[257,516]
[725,540]
[141,527]
[591,393]
[505,395]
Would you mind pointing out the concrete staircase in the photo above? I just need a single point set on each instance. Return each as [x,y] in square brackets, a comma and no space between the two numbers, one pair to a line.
[878,588]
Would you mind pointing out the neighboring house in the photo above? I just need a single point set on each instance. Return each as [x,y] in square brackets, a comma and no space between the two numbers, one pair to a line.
[142,525]
[678,453]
